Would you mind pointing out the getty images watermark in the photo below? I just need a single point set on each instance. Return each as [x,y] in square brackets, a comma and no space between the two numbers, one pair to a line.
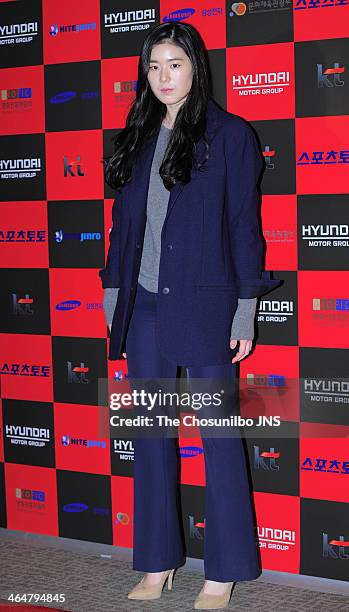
[185,407]
[195,401]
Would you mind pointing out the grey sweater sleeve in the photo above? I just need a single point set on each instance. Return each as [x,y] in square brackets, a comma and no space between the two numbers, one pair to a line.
[109,302]
[242,325]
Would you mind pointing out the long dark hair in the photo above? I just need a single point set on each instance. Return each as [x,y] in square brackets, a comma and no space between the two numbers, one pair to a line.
[147,113]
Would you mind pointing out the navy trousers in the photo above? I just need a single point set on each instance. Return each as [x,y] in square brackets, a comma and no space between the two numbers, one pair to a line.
[230,544]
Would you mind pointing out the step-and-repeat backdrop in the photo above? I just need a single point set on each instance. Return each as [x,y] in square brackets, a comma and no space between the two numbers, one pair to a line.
[68,74]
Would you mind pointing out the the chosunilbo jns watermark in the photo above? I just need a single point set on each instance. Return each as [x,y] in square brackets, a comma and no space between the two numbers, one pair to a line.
[194,401]
[191,407]
[259,406]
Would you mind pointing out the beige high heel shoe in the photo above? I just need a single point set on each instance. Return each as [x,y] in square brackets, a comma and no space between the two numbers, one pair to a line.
[207,601]
[152,591]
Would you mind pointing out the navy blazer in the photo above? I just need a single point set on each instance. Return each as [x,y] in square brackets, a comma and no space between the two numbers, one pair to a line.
[211,246]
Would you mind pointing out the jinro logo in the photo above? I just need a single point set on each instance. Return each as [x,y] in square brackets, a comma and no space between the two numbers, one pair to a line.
[81,236]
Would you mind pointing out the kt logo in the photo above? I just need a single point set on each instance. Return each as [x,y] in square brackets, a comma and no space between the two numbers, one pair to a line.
[73,168]
[77,374]
[22,306]
[269,155]
[266,460]
[323,76]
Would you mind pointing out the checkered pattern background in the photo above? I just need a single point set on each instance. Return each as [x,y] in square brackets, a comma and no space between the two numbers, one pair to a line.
[68,74]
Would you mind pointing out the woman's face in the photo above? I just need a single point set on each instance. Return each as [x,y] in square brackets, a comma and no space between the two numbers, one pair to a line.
[170,69]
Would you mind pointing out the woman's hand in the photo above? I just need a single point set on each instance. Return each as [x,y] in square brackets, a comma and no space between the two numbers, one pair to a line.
[243,325]
[244,348]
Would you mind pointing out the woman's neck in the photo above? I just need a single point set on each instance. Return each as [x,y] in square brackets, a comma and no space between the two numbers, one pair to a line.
[167,126]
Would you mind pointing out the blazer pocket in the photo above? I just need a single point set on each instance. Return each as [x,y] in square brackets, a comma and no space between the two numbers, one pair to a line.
[216,288]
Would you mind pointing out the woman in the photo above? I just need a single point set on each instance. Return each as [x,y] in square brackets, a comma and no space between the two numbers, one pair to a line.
[185,216]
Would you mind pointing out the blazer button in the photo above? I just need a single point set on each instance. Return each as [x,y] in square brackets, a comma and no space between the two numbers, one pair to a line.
[138,245]
[169,246]
[165,290]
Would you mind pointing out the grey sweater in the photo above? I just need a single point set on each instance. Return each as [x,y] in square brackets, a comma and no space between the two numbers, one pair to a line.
[243,321]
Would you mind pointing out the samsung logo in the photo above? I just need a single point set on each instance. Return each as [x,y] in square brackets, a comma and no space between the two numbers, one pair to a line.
[179,15]
[65,96]
[68,305]
[190,451]
[75,507]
